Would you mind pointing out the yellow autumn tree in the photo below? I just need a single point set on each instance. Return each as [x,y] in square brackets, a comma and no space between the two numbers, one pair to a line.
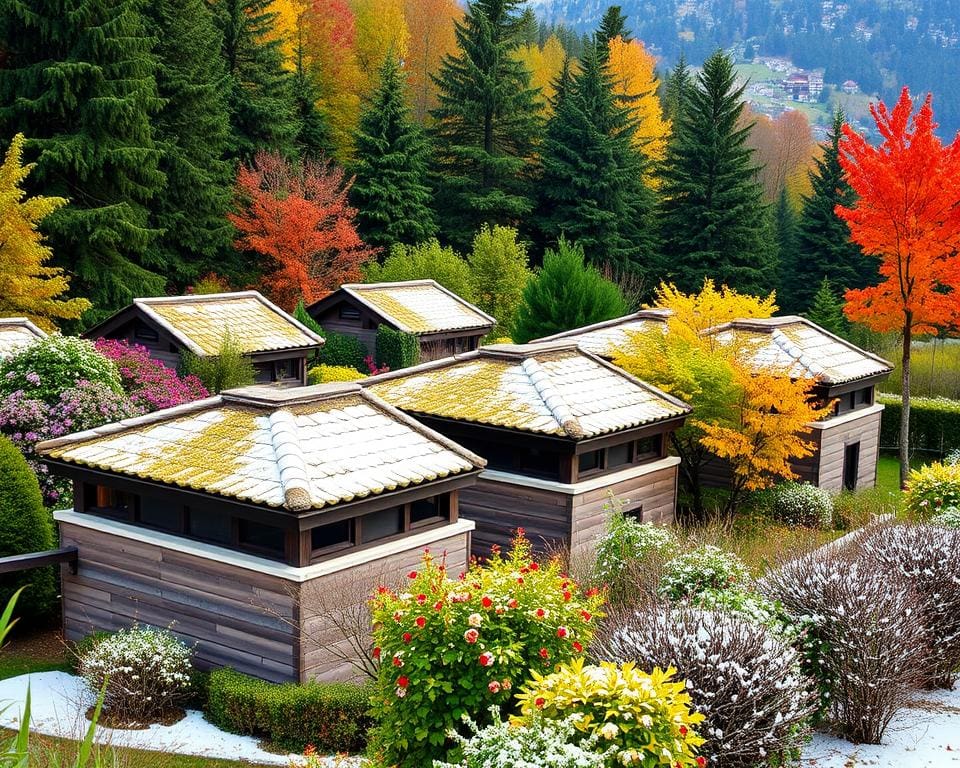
[288,27]
[432,28]
[633,70]
[752,418]
[28,287]
[544,65]
[381,29]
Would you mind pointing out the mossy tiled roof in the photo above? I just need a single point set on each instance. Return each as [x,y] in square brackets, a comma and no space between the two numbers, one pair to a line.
[604,339]
[550,389]
[801,349]
[17,333]
[299,449]
[419,306]
[201,322]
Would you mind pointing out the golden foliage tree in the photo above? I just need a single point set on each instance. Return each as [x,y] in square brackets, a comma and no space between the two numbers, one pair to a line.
[752,418]
[381,28]
[633,71]
[544,65]
[28,287]
[432,31]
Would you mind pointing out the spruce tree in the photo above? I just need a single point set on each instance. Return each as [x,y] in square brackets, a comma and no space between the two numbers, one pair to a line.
[824,247]
[260,91]
[591,188]
[826,309]
[314,138]
[676,90]
[613,24]
[79,81]
[785,229]
[390,191]
[714,223]
[486,125]
[192,132]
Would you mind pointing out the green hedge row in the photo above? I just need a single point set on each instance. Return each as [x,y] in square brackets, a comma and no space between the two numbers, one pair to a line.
[934,423]
[331,716]
[396,349]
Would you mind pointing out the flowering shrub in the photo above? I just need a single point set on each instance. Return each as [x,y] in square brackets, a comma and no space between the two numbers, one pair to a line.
[800,504]
[646,717]
[45,368]
[543,743]
[450,647]
[949,517]
[148,382]
[322,374]
[751,606]
[742,677]
[706,567]
[146,671]
[372,368]
[932,488]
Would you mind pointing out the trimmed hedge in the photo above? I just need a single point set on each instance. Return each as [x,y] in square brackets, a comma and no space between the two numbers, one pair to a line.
[396,349]
[934,423]
[339,349]
[330,716]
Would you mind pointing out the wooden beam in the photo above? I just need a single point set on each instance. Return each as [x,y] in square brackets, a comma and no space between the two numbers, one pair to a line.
[31,560]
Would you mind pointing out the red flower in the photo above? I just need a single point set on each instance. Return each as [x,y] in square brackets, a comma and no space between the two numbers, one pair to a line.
[376,653]
[561,632]
[382,590]
[407,637]
[592,592]
[494,549]
[471,636]
[421,622]
[577,647]
[541,613]
[397,661]
[544,653]
[683,730]
[486,659]
[534,566]
[309,750]
[494,686]
[519,579]
[539,702]
[412,575]
[566,597]
[486,602]
[421,599]
[402,681]
[512,603]
[438,606]
[521,532]
[586,615]
[506,685]
[397,616]
[701,761]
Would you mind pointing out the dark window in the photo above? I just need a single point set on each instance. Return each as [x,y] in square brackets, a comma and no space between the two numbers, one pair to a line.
[260,537]
[590,461]
[379,525]
[461,344]
[619,455]
[537,463]
[865,396]
[851,466]
[209,526]
[288,369]
[332,536]
[852,401]
[429,510]
[109,502]
[349,313]
[143,332]
[158,513]
[648,447]
[263,373]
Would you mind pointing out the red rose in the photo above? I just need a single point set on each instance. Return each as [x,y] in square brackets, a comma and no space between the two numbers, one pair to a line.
[412,575]
[486,602]
[541,613]
[566,597]
[539,702]
[534,566]
[397,661]
[586,615]
[577,647]
[471,636]
[701,761]
[512,603]
[376,653]
[421,599]
[407,637]
[561,632]
[494,686]
[421,622]
[544,653]
[486,659]
[402,681]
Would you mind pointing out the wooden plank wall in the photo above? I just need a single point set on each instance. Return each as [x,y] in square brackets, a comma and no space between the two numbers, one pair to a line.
[331,321]
[833,441]
[236,617]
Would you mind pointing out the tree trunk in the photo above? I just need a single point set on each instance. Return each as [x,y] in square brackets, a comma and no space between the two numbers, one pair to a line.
[905,399]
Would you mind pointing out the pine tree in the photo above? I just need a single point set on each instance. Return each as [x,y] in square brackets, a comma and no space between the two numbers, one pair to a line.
[826,310]
[486,124]
[714,223]
[785,229]
[677,88]
[79,80]
[260,92]
[613,24]
[824,247]
[314,138]
[591,186]
[390,191]
[192,132]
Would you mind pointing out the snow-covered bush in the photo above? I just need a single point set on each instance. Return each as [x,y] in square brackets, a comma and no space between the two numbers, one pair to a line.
[544,743]
[741,676]
[146,671]
[706,567]
[866,640]
[800,504]
[749,605]
[928,556]
[948,518]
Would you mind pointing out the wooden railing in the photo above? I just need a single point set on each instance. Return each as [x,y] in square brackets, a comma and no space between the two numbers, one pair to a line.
[32,560]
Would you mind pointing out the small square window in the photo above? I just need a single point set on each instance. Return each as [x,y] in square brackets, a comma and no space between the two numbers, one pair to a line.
[428,510]
[209,526]
[109,502]
[263,373]
[158,513]
[619,455]
[380,525]
[288,369]
[332,536]
[648,447]
[143,332]
[260,537]
[590,461]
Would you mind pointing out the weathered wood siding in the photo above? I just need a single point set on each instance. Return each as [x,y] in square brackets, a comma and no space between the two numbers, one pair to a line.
[833,442]
[236,617]
[363,328]
[165,349]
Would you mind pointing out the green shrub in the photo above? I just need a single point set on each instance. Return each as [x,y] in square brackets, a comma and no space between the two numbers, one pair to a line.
[932,488]
[424,261]
[47,367]
[948,518]
[704,568]
[25,526]
[338,349]
[396,349]
[499,270]
[226,370]
[799,504]
[324,374]
[331,716]
[934,423]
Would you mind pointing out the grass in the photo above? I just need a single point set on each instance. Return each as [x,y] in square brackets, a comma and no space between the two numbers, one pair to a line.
[934,370]
[33,650]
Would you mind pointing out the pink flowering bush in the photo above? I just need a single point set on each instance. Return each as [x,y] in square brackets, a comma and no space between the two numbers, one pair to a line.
[454,647]
[149,383]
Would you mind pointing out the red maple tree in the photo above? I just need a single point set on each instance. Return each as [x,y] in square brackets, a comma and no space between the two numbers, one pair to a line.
[908,215]
[299,217]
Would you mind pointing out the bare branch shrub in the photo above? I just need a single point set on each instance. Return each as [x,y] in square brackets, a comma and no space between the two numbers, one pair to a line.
[742,677]
[866,641]
[928,557]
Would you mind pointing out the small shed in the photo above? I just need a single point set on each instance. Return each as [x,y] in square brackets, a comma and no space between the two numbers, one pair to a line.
[17,333]
[254,521]
[445,324]
[561,430]
[276,343]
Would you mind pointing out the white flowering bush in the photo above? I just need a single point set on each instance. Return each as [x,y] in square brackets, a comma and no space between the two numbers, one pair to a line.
[953,458]
[741,676]
[706,567]
[948,518]
[800,504]
[146,671]
[544,743]
[752,606]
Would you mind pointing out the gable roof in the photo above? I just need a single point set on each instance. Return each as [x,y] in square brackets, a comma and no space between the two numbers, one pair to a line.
[802,349]
[416,306]
[552,388]
[17,333]
[606,337]
[298,449]
[200,322]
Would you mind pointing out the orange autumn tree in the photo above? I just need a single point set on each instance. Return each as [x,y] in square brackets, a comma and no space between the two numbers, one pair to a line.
[299,218]
[907,215]
[754,419]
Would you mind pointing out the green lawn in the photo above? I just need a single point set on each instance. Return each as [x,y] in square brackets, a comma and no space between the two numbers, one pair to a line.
[36,650]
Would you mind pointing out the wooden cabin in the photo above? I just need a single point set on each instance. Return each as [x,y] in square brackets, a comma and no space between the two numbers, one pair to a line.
[277,344]
[17,333]
[561,430]
[443,323]
[247,521]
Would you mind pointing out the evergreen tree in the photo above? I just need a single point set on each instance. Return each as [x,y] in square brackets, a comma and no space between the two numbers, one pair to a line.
[613,24]
[826,309]
[677,88]
[314,137]
[591,187]
[390,191]
[785,229]
[486,124]
[259,92]
[824,247]
[192,132]
[714,223]
[79,80]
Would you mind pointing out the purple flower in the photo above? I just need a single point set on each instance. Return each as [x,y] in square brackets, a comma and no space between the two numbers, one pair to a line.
[33,378]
